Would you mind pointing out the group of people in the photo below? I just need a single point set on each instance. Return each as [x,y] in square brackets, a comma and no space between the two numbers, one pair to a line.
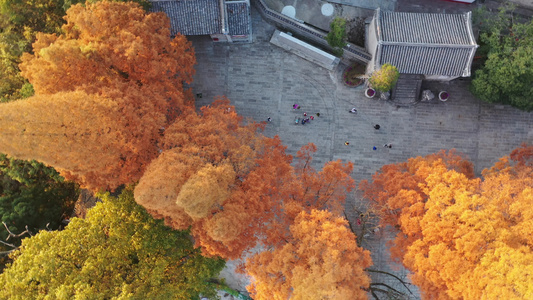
[305,119]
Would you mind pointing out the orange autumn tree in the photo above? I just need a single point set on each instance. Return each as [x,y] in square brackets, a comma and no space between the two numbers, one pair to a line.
[53,129]
[307,189]
[321,260]
[463,237]
[204,160]
[232,185]
[103,91]
[397,191]
[113,45]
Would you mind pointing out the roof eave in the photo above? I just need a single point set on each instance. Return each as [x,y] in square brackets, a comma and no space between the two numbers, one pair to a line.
[469,28]
[377,17]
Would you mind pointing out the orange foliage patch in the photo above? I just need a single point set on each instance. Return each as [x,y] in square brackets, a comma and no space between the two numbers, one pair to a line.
[320,260]
[104,89]
[463,237]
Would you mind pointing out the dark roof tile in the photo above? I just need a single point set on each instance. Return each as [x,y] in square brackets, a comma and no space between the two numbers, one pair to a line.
[421,28]
[238,18]
[427,60]
[191,17]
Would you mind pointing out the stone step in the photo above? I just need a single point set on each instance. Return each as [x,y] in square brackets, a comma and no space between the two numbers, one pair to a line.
[397,95]
[407,89]
[410,90]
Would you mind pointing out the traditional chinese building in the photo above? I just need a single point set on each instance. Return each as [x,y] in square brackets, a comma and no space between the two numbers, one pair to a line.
[437,46]
[223,20]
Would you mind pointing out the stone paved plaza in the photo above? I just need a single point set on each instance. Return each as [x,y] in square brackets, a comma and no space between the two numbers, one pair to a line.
[263,81]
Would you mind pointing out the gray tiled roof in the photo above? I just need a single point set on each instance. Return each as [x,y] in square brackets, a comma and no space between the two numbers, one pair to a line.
[428,44]
[427,60]
[191,17]
[421,28]
[238,18]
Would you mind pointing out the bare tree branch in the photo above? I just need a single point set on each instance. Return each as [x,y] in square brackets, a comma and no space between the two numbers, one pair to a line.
[373,292]
[387,286]
[8,244]
[349,223]
[4,253]
[11,234]
[390,274]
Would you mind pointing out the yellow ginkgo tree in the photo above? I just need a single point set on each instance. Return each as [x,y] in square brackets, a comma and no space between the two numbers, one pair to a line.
[385,78]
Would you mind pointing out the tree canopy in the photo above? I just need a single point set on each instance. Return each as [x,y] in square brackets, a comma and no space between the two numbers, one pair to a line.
[385,78]
[104,89]
[117,252]
[33,195]
[20,21]
[336,37]
[232,184]
[319,261]
[463,237]
[507,47]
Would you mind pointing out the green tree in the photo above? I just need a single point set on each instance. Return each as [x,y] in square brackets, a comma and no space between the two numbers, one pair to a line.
[117,252]
[506,46]
[385,78]
[33,195]
[336,37]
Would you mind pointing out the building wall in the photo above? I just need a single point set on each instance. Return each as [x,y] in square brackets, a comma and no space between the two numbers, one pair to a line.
[219,37]
[371,44]
[439,77]
[351,51]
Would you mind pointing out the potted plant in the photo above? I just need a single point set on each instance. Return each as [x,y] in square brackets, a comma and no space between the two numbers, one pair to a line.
[443,96]
[370,92]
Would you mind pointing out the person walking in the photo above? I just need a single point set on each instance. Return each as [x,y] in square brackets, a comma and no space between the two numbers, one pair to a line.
[353,110]
[387,146]
[269,119]
[377,127]
[346,143]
